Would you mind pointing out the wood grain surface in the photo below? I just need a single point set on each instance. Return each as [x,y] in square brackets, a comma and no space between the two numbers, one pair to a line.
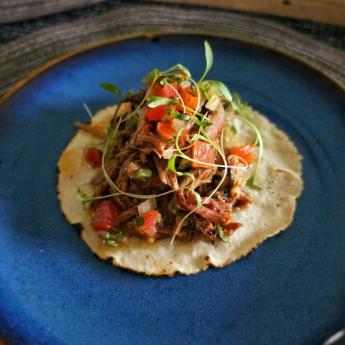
[24,55]
[324,11]
[15,10]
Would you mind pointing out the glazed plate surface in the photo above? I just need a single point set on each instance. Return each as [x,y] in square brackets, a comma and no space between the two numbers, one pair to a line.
[53,290]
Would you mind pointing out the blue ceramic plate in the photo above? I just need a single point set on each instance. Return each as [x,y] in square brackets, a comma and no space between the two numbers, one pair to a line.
[53,290]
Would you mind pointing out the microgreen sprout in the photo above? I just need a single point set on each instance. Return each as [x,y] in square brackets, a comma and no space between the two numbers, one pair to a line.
[111,88]
[209,59]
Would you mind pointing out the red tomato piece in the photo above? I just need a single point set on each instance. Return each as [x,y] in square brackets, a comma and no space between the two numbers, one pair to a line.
[246,152]
[203,152]
[231,228]
[93,156]
[166,129]
[166,91]
[106,216]
[151,218]
[190,99]
[156,114]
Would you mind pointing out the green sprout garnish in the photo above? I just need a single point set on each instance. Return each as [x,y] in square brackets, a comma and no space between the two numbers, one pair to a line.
[215,93]
[180,116]
[209,60]
[154,74]
[154,102]
[111,88]
[171,167]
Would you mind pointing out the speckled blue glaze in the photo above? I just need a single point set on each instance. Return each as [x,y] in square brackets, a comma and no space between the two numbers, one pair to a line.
[53,290]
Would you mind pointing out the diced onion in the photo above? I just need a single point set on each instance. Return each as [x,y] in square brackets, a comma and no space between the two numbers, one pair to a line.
[212,91]
[213,103]
[178,124]
[185,84]
[125,108]
[146,206]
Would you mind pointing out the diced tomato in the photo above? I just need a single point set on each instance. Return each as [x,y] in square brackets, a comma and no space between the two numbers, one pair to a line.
[190,99]
[106,216]
[246,152]
[93,156]
[166,91]
[166,129]
[151,218]
[203,152]
[156,114]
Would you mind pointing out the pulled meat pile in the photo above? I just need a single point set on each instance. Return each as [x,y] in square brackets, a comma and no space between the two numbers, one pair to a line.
[166,144]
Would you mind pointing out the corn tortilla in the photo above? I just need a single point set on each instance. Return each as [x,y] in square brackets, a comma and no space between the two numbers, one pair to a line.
[271,211]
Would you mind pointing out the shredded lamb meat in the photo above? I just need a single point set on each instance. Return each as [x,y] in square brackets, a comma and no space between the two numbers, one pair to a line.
[138,161]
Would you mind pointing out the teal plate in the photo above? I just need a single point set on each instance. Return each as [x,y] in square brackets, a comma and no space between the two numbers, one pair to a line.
[53,290]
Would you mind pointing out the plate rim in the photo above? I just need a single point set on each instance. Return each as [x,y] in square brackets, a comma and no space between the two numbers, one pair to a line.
[150,35]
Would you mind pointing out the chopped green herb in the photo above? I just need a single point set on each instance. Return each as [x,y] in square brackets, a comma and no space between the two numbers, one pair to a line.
[82,197]
[111,88]
[220,233]
[114,238]
[143,174]
[233,129]
[110,242]
[171,163]
[139,220]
